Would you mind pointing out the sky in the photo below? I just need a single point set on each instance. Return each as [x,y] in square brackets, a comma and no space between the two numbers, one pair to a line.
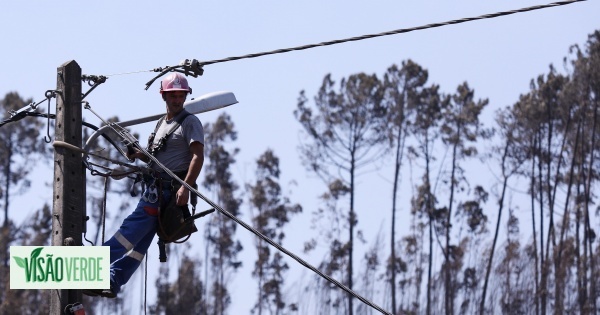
[497,57]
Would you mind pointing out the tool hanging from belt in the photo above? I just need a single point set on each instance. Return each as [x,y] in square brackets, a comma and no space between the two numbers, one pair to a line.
[175,223]
[172,225]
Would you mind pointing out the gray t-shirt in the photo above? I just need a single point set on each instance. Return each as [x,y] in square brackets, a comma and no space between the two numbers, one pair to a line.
[177,155]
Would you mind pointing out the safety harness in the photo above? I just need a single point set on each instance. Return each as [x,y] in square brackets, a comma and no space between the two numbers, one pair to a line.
[161,144]
[175,223]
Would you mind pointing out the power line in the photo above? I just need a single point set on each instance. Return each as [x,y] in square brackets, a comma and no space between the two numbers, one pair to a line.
[394,32]
[131,72]
[194,67]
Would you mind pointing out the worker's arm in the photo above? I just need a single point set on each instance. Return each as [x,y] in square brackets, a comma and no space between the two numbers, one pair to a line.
[183,194]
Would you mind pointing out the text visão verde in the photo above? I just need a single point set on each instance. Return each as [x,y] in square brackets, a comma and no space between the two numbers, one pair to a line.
[56,269]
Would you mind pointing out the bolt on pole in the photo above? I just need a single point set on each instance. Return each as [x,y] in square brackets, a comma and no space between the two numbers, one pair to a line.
[68,207]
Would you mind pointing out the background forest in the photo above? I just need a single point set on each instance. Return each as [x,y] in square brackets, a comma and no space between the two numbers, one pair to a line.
[466,187]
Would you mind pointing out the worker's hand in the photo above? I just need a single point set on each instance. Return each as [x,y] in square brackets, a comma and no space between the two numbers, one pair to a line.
[134,153]
[183,195]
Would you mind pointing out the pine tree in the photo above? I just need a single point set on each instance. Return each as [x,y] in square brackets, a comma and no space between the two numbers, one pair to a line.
[401,89]
[220,231]
[460,129]
[185,295]
[20,148]
[35,231]
[272,212]
[343,138]
[428,111]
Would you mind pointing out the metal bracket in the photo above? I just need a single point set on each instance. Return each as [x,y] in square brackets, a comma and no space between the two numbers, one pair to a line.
[189,67]
[93,81]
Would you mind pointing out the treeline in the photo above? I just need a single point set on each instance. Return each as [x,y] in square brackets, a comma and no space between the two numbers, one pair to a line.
[545,146]
[466,250]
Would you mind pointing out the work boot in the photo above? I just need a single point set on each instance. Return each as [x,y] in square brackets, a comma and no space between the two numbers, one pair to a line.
[107,293]
[91,292]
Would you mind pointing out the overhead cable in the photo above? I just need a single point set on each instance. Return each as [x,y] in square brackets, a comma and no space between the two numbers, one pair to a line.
[358,38]
[399,31]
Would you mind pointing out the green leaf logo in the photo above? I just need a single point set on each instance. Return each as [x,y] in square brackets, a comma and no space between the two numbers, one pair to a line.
[20,261]
[35,253]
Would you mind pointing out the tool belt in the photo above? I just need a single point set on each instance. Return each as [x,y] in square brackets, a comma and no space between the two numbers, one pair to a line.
[172,225]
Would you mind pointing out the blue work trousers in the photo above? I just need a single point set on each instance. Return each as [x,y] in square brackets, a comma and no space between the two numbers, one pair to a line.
[130,243]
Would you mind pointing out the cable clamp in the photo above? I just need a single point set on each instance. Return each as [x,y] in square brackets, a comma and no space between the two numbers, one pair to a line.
[93,81]
[189,67]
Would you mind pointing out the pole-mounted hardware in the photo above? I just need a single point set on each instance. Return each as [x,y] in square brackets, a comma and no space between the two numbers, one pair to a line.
[93,81]
[189,67]
[33,106]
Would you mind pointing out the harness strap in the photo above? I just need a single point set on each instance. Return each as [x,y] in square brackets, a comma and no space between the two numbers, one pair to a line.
[161,145]
[133,191]
[153,149]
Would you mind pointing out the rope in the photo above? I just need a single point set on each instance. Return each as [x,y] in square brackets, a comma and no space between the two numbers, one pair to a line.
[104,208]
[394,32]
[145,282]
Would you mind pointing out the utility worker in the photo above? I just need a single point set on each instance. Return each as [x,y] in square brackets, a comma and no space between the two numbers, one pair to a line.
[180,149]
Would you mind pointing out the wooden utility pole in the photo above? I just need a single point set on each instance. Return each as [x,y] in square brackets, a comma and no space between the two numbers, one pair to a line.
[68,207]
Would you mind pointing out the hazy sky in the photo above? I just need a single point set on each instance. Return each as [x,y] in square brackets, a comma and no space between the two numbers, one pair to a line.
[497,57]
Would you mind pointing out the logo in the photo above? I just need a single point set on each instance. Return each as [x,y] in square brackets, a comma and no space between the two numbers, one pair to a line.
[59,267]
[177,83]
